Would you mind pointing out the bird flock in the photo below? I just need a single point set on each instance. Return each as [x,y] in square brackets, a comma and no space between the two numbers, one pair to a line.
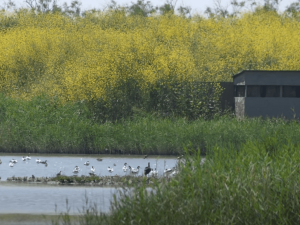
[148,171]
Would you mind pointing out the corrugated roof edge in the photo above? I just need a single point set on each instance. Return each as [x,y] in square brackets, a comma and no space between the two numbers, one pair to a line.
[265,71]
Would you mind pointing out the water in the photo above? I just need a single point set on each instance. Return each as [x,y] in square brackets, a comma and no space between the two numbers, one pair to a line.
[42,199]
[66,165]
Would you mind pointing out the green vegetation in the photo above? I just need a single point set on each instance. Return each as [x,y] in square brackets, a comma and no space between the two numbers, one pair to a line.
[45,126]
[257,184]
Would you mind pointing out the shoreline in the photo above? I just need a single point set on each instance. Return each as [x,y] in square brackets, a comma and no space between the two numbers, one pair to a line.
[92,181]
[89,155]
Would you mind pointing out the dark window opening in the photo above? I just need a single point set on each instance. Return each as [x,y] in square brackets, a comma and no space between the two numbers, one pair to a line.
[270,91]
[239,91]
[253,91]
[291,91]
[263,91]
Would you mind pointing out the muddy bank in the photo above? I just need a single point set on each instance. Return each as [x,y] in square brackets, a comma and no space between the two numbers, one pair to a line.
[101,181]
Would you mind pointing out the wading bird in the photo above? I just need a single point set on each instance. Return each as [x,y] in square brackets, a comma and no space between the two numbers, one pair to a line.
[125,167]
[58,174]
[168,171]
[93,169]
[147,169]
[76,169]
[153,172]
[43,162]
[179,157]
[133,170]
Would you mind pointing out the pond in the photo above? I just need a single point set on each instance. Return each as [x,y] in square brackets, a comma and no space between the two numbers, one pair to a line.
[43,199]
[66,164]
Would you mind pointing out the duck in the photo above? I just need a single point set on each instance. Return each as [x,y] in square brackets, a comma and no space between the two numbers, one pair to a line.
[125,167]
[24,158]
[110,169]
[147,169]
[11,164]
[58,174]
[168,171]
[99,159]
[93,169]
[86,163]
[38,160]
[133,170]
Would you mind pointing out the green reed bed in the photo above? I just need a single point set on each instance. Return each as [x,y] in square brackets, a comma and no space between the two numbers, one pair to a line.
[44,125]
[253,185]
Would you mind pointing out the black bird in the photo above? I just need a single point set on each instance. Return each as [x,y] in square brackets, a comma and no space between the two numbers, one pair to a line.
[58,173]
[147,169]
[145,156]
[33,177]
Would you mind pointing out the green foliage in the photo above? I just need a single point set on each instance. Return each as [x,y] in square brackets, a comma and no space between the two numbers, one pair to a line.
[44,125]
[248,186]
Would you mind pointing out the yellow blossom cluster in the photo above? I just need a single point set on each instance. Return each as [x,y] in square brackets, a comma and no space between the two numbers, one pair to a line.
[83,58]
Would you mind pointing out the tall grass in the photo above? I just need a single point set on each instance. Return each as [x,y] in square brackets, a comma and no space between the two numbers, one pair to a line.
[253,185]
[43,125]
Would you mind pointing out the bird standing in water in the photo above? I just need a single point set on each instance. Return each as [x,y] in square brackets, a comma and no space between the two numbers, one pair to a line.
[147,169]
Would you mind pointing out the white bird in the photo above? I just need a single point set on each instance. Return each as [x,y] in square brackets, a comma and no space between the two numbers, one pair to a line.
[125,167]
[38,160]
[76,169]
[169,170]
[28,158]
[86,163]
[24,158]
[11,164]
[153,172]
[133,170]
[175,172]
[93,169]
[110,169]
[13,161]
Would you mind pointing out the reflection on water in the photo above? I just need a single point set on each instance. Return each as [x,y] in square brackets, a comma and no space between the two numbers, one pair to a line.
[66,164]
[41,199]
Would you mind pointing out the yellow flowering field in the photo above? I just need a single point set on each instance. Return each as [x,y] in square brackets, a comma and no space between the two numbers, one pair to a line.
[85,58]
